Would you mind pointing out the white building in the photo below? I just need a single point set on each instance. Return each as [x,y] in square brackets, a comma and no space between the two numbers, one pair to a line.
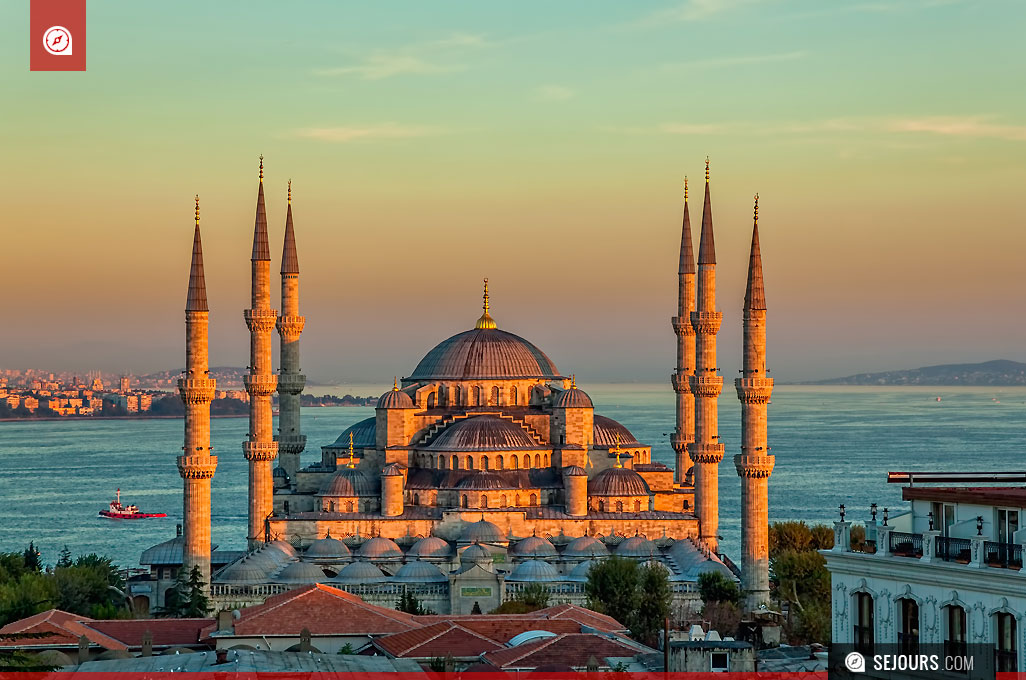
[948,569]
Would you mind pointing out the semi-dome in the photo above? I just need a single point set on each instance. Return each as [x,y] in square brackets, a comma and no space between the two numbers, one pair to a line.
[605,430]
[637,546]
[300,572]
[379,548]
[476,553]
[246,570]
[419,572]
[359,572]
[364,435]
[534,546]
[586,546]
[327,548]
[349,481]
[534,570]
[617,481]
[574,471]
[484,433]
[485,353]
[573,398]
[482,480]
[429,547]
[580,572]
[482,531]
[395,398]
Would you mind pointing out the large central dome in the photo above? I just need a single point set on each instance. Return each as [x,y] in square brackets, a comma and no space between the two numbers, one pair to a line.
[484,353]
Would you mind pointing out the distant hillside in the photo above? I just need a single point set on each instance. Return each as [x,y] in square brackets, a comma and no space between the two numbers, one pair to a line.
[227,377]
[999,372]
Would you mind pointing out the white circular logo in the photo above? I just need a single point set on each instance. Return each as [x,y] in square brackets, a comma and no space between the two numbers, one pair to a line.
[57,41]
[855,662]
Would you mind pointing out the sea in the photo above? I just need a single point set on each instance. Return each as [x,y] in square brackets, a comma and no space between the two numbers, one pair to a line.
[833,445]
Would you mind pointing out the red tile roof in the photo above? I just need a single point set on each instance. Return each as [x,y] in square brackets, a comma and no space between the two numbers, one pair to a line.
[322,610]
[561,612]
[165,632]
[438,639]
[573,649]
[67,629]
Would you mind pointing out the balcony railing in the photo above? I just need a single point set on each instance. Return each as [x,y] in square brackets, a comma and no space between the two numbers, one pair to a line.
[905,544]
[1007,555]
[952,549]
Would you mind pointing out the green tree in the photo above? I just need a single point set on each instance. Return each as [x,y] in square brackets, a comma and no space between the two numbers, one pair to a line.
[714,586]
[653,602]
[409,603]
[32,558]
[801,577]
[64,558]
[176,598]
[535,596]
[638,596]
[30,594]
[197,605]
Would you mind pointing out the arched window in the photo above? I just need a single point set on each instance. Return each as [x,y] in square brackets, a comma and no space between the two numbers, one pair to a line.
[416,499]
[331,506]
[954,636]
[527,461]
[537,460]
[619,506]
[367,506]
[484,501]
[518,500]
[637,506]
[439,462]
[602,506]
[431,400]
[498,463]
[456,396]
[484,462]
[1005,655]
[534,499]
[495,396]
[502,501]
[864,625]
[908,635]
[464,502]
[477,395]
[455,462]
[548,460]
[513,395]
[514,465]
[349,506]
[470,462]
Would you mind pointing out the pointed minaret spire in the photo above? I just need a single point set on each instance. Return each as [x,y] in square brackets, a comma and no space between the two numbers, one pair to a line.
[687,252]
[197,300]
[289,255]
[755,294]
[486,320]
[707,248]
[261,249]
[684,433]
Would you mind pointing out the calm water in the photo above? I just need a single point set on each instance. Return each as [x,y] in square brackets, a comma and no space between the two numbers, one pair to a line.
[833,445]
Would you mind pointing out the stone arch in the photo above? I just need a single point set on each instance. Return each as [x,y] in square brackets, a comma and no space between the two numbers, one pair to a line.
[513,395]
[495,396]
[431,400]
[602,506]
[537,460]
[637,506]
[502,501]
[457,395]
[455,462]
[518,500]
[513,462]
[498,463]
[484,462]
[465,502]
[416,499]
[331,506]
[470,462]
[349,506]
[534,499]
[477,395]
[484,501]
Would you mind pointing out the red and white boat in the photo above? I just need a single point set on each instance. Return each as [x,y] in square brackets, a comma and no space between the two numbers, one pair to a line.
[119,511]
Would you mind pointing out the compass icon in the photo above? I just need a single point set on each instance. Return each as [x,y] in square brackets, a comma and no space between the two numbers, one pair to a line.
[57,41]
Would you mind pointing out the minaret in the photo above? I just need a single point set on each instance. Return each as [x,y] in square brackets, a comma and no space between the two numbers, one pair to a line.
[196,465]
[755,463]
[684,434]
[260,449]
[291,440]
[707,451]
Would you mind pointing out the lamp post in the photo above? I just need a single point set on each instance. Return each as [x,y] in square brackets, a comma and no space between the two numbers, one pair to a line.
[872,511]
[885,517]
[842,512]
[979,525]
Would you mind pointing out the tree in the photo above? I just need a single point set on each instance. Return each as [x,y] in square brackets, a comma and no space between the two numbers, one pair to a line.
[638,596]
[476,608]
[32,558]
[176,597]
[535,595]
[409,603]
[714,586]
[64,558]
[198,605]
[347,648]
[799,576]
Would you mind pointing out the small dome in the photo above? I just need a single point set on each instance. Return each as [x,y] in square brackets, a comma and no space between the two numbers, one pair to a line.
[617,482]
[364,434]
[300,572]
[327,548]
[483,479]
[533,546]
[605,431]
[580,572]
[476,553]
[484,433]
[586,546]
[392,470]
[379,548]
[574,471]
[395,398]
[432,546]
[280,478]
[573,398]
[419,572]
[482,531]
[637,546]
[349,481]
[246,570]
[283,547]
[534,570]
[359,572]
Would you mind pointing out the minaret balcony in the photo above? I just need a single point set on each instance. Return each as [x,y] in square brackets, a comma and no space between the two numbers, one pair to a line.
[197,390]
[290,443]
[706,453]
[708,386]
[756,390]
[290,327]
[753,465]
[291,383]
[707,323]
[197,467]
[260,385]
[260,320]
[681,382]
[682,325]
[260,451]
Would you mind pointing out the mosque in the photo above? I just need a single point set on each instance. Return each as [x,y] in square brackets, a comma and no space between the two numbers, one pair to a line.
[482,471]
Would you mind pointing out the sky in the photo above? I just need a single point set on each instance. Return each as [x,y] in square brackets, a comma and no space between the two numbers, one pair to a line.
[541,145]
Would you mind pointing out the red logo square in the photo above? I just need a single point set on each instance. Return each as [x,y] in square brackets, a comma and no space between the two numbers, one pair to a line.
[58,35]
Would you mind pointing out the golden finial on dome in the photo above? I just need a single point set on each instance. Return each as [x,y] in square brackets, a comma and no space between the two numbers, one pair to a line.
[290,192]
[351,462]
[756,209]
[395,383]
[197,210]
[261,168]
[616,450]
[573,381]
[706,169]
[685,188]
[486,320]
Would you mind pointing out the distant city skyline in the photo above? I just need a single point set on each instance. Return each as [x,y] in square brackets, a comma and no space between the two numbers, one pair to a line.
[542,147]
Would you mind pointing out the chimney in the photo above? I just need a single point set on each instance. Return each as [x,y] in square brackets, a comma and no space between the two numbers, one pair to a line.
[224,622]
[221,656]
[147,643]
[83,649]
[304,641]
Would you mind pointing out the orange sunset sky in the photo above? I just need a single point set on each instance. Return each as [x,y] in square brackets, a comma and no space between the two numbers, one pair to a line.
[541,145]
